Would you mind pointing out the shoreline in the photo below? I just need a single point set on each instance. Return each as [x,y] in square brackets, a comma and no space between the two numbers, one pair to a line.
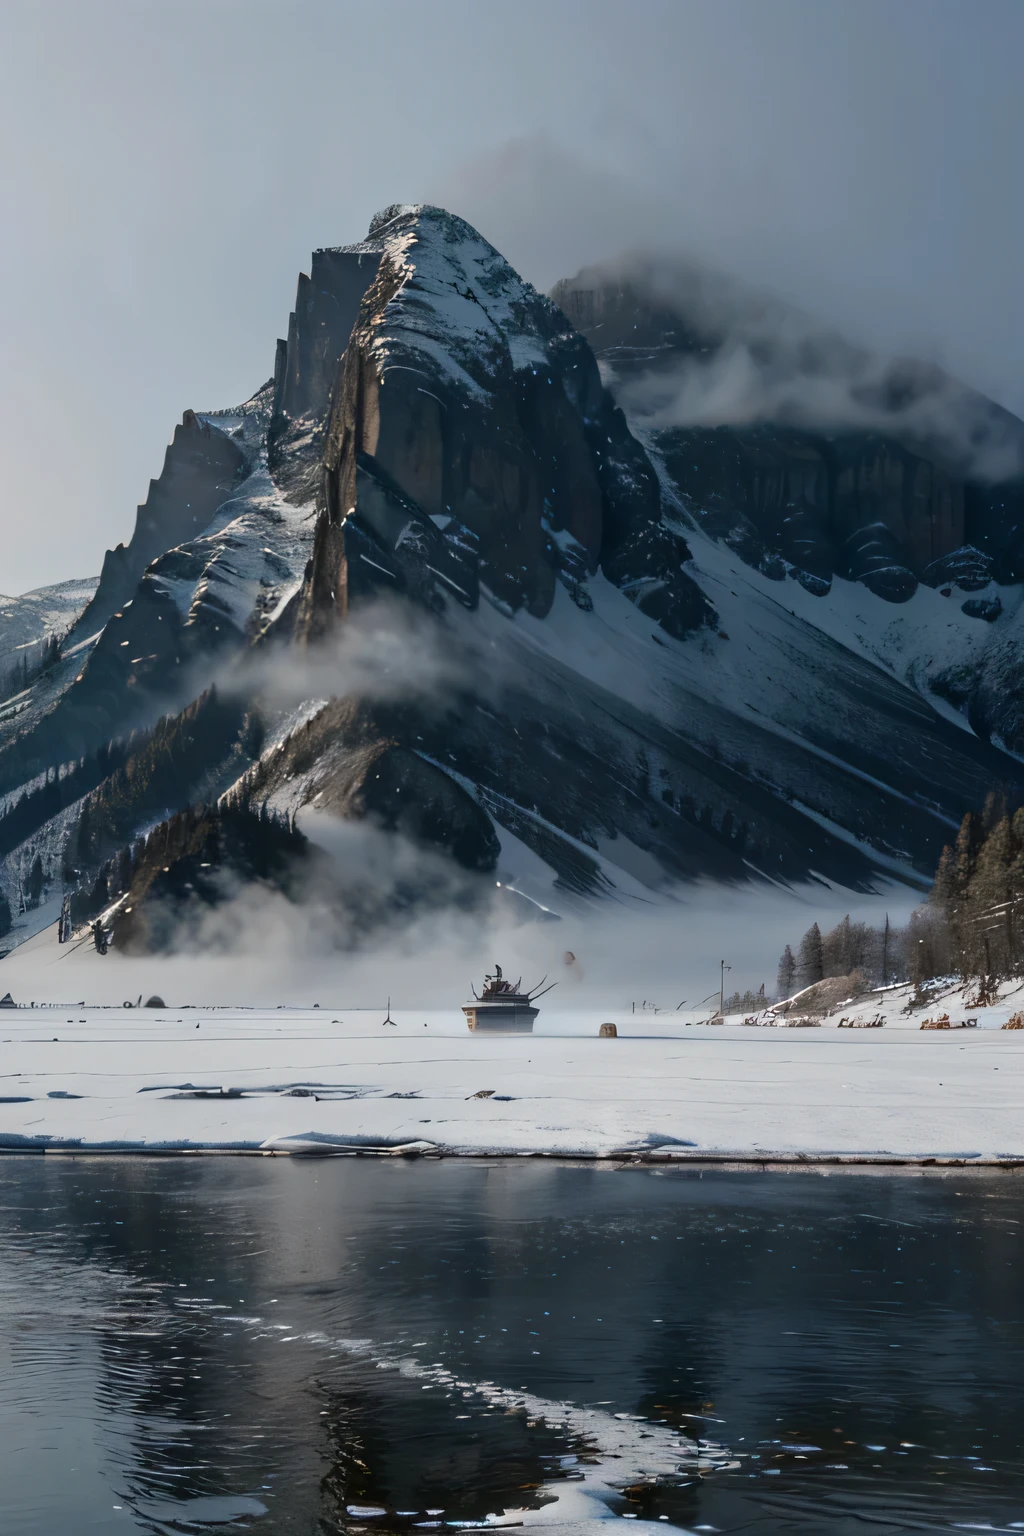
[724,1162]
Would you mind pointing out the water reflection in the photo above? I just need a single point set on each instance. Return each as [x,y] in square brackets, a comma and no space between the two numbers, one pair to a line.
[213,1344]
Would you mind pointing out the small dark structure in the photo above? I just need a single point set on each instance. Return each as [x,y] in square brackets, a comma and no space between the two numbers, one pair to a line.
[155,1002]
[7,1001]
[607,1032]
[503,1006]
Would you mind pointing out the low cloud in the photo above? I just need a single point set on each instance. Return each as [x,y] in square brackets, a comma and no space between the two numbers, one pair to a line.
[260,948]
[698,216]
[386,651]
[753,359]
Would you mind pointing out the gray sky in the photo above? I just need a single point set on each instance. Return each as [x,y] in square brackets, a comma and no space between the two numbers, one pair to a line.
[168,167]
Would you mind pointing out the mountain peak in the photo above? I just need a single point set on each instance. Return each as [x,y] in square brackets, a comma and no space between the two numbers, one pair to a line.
[649,696]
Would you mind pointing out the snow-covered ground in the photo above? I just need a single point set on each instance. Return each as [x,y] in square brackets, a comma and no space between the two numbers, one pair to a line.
[334,1076]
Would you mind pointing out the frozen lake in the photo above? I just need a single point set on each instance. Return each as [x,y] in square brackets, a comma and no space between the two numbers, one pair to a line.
[288,1079]
[289,1346]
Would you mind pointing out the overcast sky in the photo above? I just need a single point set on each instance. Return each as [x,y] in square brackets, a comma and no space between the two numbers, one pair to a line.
[167,168]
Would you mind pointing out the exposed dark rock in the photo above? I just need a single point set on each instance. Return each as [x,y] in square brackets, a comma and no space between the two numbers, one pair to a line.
[357,766]
[198,604]
[987,608]
[871,555]
[202,466]
[306,366]
[197,860]
[966,568]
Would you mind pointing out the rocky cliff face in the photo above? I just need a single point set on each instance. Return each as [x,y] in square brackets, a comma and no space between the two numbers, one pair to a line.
[471,445]
[805,453]
[306,365]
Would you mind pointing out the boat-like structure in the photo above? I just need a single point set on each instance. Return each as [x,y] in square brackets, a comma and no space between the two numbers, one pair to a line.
[504,1006]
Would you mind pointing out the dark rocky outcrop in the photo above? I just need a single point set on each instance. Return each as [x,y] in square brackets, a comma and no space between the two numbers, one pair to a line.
[357,762]
[966,568]
[198,604]
[306,365]
[202,466]
[149,659]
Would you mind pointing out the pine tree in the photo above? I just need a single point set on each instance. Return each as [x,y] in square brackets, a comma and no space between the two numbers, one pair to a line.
[996,809]
[951,889]
[5,916]
[832,952]
[83,837]
[989,903]
[34,883]
[811,961]
[1015,879]
[99,896]
[919,940]
[123,870]
[843,948]
[787,973]
[944,888]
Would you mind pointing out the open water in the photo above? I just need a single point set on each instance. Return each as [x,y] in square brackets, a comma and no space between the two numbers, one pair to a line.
[282,1345]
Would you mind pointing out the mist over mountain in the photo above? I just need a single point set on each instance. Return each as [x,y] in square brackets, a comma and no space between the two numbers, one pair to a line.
[689,345]
[573,599]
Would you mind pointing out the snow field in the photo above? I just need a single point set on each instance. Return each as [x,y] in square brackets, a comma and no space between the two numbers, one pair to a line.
[669,1087]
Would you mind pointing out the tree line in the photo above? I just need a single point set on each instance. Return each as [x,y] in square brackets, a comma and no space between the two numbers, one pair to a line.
[60,788]
[878,953]
[146,773]
[977,899]
[186,757]
[972,924]
[195,858]
[36,658]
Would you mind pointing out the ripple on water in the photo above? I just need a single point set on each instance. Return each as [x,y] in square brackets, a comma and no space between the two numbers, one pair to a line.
[214,1343]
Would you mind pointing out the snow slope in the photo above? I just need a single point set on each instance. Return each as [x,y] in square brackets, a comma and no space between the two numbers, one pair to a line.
[43,612]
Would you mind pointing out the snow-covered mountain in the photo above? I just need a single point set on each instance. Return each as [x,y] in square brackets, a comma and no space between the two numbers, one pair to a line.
[632,681]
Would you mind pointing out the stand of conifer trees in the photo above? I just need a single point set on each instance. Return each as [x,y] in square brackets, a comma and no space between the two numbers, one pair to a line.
[880,954]
[978,895]
[972,924]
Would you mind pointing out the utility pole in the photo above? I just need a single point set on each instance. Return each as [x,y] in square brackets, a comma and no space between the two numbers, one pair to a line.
[721,990]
